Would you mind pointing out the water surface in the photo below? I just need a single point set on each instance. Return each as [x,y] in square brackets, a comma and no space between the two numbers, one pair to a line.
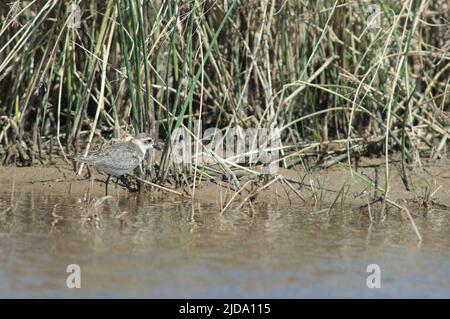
[158,249]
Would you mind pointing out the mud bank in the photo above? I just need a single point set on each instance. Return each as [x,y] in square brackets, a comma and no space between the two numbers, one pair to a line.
[429,185]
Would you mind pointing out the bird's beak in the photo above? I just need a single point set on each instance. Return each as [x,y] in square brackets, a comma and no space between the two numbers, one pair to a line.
[156,147]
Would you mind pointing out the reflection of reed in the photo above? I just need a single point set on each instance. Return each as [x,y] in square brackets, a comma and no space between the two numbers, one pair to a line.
[146,223]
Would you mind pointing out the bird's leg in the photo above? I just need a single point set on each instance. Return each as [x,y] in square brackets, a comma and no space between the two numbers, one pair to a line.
[116,183]
[106,186]
[89,171]
[141,174]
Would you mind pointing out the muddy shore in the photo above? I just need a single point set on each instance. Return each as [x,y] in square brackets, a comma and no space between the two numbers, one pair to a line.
[429,185]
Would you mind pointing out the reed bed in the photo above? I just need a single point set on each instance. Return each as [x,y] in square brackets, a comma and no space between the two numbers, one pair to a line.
[339,79]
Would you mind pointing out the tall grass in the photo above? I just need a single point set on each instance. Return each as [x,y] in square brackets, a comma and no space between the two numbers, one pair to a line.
[337,86]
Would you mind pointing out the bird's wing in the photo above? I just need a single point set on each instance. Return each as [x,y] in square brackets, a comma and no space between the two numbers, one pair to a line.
[111,151]
[120,159]
[100,155]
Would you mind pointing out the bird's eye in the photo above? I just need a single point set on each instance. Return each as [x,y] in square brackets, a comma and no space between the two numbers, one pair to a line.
[149,141]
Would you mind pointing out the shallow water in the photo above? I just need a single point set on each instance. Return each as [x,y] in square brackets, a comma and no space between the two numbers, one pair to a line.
[158,249]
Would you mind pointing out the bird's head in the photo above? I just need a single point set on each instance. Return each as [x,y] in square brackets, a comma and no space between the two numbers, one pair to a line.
[145,142]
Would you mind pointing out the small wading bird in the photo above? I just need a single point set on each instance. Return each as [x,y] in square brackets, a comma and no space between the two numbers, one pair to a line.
[120,159]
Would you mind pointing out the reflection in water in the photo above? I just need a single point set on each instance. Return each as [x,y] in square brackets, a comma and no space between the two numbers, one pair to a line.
[151,247]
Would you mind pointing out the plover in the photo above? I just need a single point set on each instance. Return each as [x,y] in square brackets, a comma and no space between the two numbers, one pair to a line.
[120,159]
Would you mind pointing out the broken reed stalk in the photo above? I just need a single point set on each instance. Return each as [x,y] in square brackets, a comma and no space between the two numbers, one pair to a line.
[234,196]
[284,180]
[406,210]
[159,186]
[253,193]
